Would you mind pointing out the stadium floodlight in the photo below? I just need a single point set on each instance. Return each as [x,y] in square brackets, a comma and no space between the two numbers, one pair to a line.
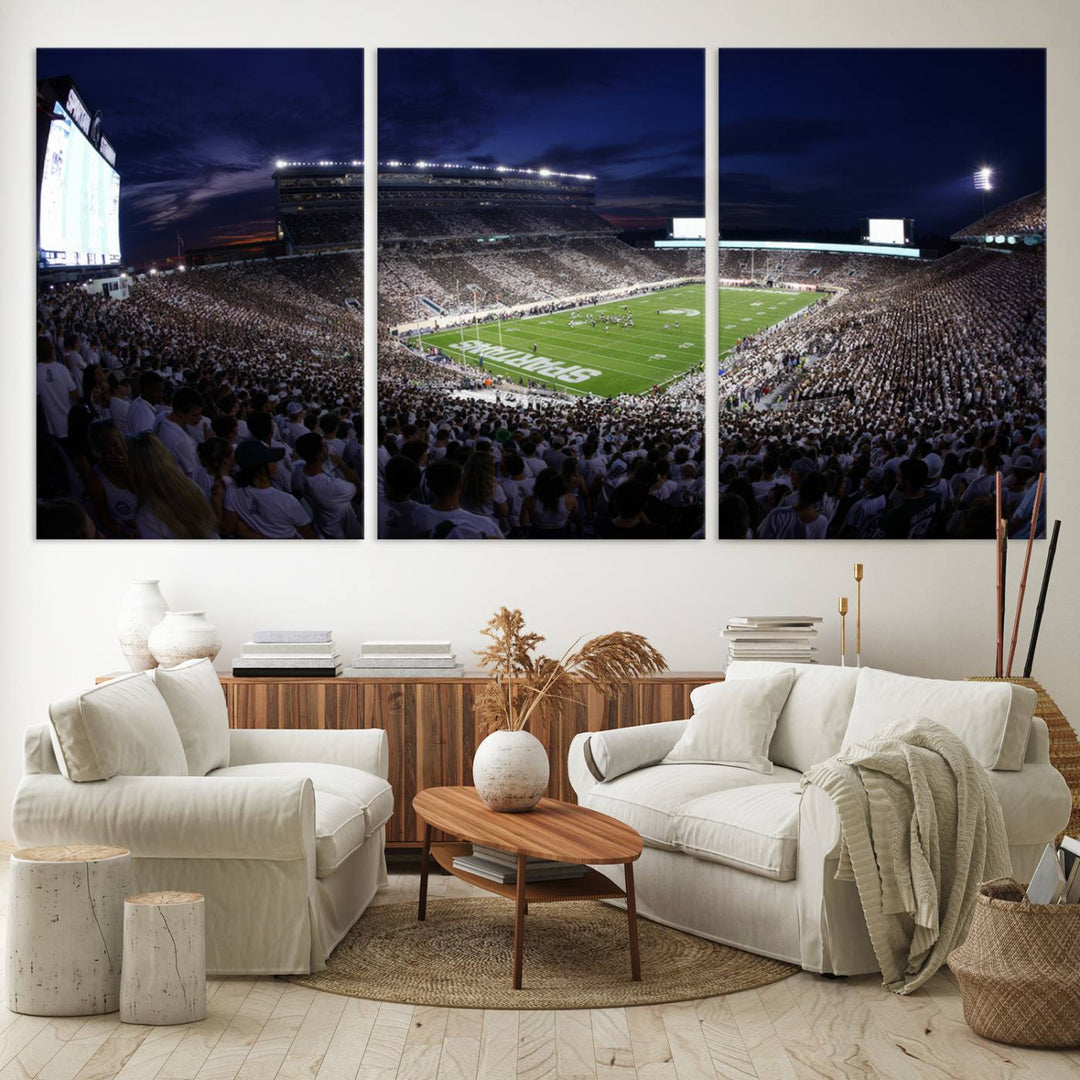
[281,164]
[421,164]
[984,179]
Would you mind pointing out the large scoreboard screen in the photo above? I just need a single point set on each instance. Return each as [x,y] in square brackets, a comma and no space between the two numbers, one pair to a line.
[79,210]
[898,231]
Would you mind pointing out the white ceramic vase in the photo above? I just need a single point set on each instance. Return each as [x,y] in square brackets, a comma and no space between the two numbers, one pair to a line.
[142,609]
[510,771]
[184,635]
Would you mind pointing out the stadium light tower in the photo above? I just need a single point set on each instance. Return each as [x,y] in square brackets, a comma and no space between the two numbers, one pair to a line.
[984,182]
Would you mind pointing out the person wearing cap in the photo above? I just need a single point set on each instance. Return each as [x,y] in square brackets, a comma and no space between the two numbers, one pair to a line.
[800,468]
[937,486]
[295,428]
[253,507]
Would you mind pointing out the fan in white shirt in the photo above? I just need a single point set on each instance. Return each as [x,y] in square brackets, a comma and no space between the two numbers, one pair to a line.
[173,428]
[56,389]
[443,479]
[330,497]
[254,508]
[143,414]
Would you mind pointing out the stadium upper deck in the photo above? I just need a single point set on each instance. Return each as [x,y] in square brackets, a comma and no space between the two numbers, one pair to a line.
[1020,221]
[320,205]
[425,184]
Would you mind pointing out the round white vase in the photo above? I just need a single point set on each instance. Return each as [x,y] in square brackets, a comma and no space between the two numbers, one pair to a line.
[142,609]
[510,771]
[184,635]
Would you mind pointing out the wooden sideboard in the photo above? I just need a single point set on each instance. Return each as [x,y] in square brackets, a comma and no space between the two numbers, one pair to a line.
[431,726]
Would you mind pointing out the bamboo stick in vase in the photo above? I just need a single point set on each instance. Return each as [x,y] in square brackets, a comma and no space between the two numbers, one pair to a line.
[1000,572]
[1024,572]
[1042,599]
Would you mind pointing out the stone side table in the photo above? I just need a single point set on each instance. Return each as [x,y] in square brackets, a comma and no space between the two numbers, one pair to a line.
[65,929]
[164,980]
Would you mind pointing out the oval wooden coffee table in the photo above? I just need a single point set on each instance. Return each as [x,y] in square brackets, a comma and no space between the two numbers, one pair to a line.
[553,830]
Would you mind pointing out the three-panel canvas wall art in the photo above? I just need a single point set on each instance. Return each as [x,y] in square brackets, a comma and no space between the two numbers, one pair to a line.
[543,353]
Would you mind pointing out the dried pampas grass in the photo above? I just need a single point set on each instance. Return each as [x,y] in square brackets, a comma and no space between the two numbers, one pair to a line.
[524,681]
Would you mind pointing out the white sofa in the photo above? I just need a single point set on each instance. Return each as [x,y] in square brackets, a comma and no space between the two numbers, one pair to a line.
[742,857]
[282,831]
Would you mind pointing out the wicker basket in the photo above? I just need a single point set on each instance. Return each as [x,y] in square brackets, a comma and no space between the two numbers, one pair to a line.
[1019,969]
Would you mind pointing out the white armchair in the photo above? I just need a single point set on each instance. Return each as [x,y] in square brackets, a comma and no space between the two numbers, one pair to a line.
[286,841]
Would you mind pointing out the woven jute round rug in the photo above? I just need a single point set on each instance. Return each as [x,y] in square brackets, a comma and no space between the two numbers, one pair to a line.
[576,957]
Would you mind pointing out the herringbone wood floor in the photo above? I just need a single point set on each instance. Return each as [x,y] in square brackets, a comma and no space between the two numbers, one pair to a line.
[805,1028]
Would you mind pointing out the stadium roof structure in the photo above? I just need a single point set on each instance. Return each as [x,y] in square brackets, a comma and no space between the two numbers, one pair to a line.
[1020,221]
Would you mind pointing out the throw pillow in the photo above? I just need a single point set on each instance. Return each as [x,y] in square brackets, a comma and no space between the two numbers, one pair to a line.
[120,728]
[733,722]
[194,696]
[992,719]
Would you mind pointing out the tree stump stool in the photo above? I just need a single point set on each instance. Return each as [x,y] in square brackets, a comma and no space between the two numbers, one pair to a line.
[164,980]
[65,929]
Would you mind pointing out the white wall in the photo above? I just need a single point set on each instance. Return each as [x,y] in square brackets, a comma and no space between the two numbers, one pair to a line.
[928,606]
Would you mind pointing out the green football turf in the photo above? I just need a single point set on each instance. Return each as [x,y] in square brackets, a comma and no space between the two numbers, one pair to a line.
[622,361]
[746,311]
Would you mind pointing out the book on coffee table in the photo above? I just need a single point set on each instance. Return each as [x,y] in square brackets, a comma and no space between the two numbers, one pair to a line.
[507,875]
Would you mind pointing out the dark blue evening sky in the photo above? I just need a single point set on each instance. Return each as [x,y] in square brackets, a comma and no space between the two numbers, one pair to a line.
[633,117]
[815,139]
[197,132]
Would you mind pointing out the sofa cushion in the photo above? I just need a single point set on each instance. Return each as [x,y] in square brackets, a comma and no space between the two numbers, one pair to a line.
[340,828]
[654,800]
[733,722]
[193,693]
[119,728]
[811,725]
[751,828]
[366,792]
[992,719]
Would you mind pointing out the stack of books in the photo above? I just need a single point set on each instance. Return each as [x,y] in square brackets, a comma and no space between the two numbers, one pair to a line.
[1057,877]
[501,866]
[405,660]
[787,639]
[307,653]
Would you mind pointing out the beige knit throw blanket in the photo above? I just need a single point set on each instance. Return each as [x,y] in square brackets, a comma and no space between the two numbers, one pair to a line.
[921,829]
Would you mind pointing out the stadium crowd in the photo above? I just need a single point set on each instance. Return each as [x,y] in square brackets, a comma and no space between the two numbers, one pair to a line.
[224,402]
[897,405]
[515,272]
[1026,215]
[456,464]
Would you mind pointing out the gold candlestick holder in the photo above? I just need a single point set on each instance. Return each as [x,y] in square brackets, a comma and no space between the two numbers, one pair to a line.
[858,613]
[842,608]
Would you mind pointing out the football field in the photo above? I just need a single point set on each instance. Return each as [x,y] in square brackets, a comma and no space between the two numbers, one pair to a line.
[666,340]
[746,311]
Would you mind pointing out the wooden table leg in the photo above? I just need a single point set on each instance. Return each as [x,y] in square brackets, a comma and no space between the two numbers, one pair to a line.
[631,916]
[519,921]
[425,858]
